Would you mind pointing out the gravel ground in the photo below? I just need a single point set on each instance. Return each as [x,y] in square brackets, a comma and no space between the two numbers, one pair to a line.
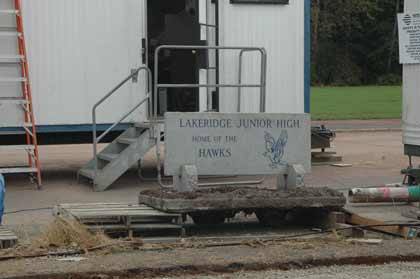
[390,271]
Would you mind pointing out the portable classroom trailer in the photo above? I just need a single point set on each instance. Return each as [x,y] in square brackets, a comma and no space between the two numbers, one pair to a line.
[78,50]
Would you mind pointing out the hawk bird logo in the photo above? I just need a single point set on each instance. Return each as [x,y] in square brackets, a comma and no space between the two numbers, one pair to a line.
[275,149]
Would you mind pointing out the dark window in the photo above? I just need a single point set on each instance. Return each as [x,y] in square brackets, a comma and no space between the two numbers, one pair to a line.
[283,2]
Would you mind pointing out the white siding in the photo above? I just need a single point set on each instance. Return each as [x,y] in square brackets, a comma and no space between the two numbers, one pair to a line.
[278,28]
[411,92]
[78,50]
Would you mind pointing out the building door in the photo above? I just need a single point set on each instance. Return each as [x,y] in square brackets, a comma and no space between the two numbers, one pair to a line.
[178,22]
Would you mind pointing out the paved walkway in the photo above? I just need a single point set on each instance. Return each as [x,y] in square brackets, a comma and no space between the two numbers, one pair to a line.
[379,124]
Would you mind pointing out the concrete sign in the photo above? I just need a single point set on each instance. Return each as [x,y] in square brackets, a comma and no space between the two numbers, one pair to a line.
[409,35]
[236,143]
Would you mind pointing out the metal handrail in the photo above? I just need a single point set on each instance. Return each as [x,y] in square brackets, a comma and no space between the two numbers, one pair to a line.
[97,139]
[262,78]
[157,85]
[261,85]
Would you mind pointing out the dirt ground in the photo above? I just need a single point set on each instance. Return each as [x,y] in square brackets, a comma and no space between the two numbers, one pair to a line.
[196,261]
[376,159]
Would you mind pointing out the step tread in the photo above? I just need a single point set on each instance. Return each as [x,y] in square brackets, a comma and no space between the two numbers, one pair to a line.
[89,173]
[108,156]
[127,140]
[144,125]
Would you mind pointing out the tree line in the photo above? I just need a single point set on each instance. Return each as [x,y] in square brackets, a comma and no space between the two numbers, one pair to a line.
[355,42]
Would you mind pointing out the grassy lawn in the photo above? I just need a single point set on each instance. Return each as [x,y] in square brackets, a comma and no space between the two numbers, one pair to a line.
[368,102]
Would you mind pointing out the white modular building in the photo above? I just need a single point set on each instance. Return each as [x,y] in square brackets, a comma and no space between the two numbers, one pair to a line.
[78,50]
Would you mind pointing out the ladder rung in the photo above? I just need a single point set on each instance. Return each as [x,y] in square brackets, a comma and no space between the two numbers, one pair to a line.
[19,79]
[6,170]
[17,147]
[27,124]
[13,100]
[9,12]
[11,58]
[10,34]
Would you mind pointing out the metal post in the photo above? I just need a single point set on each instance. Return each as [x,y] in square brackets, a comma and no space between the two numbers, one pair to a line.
[262,77]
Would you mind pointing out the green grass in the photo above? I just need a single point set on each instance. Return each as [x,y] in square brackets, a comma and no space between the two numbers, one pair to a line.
[367,102]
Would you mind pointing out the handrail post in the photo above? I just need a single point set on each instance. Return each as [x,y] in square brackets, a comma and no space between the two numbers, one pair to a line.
[263,92]
[95,143]
[263,78]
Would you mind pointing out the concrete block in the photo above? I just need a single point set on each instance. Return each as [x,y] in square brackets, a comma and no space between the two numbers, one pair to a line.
[294,177]
[188,181]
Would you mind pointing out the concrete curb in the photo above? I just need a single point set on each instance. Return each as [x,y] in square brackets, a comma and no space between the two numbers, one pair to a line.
[368,130]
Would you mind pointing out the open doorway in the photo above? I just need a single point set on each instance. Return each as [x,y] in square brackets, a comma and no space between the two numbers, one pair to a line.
[176,22]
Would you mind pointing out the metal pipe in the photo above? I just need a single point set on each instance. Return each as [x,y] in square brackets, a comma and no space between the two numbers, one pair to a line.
[263,81]
[162,85]
[399,193]
[262,78]
[122,119]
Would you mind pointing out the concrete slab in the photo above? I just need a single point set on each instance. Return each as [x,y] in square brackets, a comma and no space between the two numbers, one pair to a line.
[242,198]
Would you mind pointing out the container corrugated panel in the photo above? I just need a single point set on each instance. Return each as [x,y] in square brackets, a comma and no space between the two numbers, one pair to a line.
[78,50]
[278,28]
[411,92]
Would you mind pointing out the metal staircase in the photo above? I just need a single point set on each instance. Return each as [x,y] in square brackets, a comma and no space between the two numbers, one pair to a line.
[133,144]
[120,155]
[14,71]
[126,150]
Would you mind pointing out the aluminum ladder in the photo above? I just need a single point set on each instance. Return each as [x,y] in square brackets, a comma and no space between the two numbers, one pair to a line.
[14,70]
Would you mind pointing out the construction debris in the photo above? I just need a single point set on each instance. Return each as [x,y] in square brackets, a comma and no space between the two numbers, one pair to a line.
[365,241]
[7,238]
[383,218]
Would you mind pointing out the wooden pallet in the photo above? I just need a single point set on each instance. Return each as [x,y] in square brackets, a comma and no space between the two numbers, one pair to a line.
[382,214]
[126,218]
[7,238]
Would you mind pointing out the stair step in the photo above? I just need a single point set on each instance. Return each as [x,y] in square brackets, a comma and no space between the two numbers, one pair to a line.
[10,34]
[9,12]
[107,156]
[9,59]
[7,170]
[17,147]
[89,173]
[143,125]
[127,141]
[19,79]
